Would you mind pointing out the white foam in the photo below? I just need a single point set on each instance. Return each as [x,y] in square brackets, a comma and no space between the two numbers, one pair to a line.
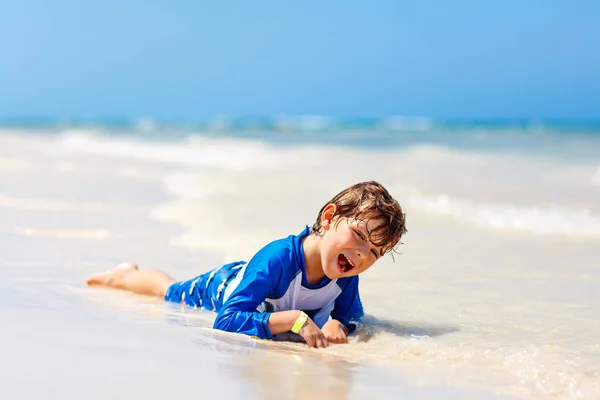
[43,204]
[549,220]
[595,179]
[425,174]
[86,234]
[197,152]
[197,186]
[13,165]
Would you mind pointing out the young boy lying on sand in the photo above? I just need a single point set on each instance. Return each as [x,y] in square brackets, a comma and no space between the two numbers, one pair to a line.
[305,283]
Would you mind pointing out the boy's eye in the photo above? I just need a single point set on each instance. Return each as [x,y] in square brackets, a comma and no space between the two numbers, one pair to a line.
[360,235]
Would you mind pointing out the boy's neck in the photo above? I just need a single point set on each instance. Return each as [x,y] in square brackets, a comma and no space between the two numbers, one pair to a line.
[312,259]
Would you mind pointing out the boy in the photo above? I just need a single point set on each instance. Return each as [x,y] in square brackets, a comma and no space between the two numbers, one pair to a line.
[306,284]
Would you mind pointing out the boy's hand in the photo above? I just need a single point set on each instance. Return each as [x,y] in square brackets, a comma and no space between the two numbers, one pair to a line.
[313,336]
[335,332]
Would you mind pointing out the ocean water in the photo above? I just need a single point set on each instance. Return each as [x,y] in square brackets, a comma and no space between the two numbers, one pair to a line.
[493,293]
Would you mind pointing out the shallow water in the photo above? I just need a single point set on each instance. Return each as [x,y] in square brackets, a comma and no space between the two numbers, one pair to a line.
[494,290]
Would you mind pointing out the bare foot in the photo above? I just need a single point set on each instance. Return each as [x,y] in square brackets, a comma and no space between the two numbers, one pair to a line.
[107,277]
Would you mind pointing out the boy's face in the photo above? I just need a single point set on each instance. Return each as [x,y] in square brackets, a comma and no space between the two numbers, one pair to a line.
[345,247]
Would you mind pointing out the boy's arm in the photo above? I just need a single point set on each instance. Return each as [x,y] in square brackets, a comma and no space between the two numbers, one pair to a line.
[260,280]
[283,321]
[238,313]
[348,306]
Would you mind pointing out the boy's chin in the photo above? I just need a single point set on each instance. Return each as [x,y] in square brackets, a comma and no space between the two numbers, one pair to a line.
[332,273]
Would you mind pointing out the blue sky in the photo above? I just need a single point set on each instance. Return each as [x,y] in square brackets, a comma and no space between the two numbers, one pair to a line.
[191,60]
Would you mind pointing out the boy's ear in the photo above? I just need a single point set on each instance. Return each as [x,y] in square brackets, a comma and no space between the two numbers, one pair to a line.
[327,215]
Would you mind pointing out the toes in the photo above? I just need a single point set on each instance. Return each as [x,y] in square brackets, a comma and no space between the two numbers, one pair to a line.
[93,280]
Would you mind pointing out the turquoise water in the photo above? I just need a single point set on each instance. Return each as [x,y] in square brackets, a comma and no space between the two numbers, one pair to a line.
[560,139]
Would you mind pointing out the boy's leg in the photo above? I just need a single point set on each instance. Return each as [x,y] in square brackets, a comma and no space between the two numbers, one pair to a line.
[126,276]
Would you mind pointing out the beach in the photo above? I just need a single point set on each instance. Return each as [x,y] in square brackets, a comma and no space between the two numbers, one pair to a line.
[492,295]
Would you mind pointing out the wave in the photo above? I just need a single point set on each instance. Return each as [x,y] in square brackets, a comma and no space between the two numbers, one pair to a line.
[195,152]
[595,179]
[309,122]
[548,220]
[435,180]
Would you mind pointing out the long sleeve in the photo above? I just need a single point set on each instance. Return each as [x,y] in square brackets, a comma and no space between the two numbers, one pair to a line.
[348,306]
[238,313]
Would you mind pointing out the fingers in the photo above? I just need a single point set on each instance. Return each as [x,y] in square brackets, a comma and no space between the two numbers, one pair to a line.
[337,337]
[317,341]
[322,342]
[338,340]
[313,336]
[310,341]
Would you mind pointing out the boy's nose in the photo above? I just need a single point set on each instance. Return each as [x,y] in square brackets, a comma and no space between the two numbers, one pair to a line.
[363,249]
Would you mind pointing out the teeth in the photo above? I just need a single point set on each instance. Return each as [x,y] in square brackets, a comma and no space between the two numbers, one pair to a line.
[349,261]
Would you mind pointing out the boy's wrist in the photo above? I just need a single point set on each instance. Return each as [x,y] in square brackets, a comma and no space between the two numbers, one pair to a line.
[300,322]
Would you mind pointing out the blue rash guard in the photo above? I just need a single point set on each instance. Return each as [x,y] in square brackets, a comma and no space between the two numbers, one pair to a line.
[245,294]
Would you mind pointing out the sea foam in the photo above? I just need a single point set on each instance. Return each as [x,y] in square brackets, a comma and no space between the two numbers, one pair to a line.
[418,176]
[547,220]
[198,152]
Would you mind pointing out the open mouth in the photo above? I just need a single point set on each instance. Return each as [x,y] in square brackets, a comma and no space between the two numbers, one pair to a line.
[344,263]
